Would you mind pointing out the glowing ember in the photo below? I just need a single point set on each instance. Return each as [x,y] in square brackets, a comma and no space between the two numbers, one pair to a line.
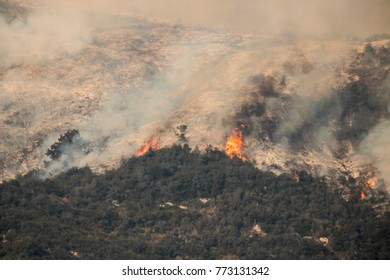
[156,146]
[296,176]
[362,196]
[371,183]
[234,144]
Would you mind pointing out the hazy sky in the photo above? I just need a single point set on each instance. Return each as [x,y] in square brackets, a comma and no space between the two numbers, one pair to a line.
[322,17]
[301,17]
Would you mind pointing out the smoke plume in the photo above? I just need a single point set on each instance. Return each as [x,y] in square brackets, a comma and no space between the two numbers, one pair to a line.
[376,148]
[42,36]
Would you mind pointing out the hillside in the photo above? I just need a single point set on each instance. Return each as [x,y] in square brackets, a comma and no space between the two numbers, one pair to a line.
[182,204]
[218,129]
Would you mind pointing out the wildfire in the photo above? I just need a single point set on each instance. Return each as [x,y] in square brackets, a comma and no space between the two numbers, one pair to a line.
[156,146]
[234,144]
[371,183]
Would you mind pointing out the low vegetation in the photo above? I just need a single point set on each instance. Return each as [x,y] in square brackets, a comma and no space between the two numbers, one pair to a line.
[181,204]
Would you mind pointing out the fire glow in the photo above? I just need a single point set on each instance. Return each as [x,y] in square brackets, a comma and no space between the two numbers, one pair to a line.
[371,183]
[234,144]
[296,177]
[149,145]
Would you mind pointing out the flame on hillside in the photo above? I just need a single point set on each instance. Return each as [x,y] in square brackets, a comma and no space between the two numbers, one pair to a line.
[235,143]
[150,144]
[371,183]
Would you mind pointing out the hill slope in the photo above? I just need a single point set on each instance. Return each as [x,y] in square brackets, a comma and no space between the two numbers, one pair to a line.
[176,203]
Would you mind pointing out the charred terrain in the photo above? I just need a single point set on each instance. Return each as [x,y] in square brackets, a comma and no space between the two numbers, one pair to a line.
[147,139]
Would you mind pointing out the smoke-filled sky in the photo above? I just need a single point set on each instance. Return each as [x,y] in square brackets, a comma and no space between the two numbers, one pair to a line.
[304,17]
[59,26]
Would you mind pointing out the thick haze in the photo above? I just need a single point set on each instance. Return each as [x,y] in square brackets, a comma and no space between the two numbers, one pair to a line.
[376,147]
[301,17]
[57,27]
[207,71]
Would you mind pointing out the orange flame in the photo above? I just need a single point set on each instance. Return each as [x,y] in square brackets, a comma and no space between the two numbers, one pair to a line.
[371,183]
[362,196]
[145,148]
[234,144]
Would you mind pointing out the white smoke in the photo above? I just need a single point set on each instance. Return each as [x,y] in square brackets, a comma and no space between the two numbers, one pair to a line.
[43,36]
[375,147]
